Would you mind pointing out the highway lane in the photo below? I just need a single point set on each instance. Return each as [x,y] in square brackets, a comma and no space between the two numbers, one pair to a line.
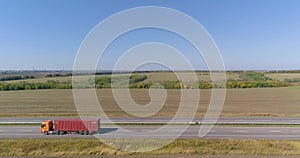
[222,132]
[221,120]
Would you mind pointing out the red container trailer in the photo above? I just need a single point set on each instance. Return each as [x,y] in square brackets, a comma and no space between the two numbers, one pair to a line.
[70,126]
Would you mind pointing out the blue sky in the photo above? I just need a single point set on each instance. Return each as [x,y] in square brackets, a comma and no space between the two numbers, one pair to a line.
[251,35]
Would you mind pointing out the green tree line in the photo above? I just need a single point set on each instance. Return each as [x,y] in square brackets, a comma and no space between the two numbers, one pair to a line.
[50,84]
[10,78]
[253,80]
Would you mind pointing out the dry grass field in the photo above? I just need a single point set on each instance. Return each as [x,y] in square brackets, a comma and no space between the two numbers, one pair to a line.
[283,76]
[208,148]
[42,80]
[239,102]
[169,76]
[152,77]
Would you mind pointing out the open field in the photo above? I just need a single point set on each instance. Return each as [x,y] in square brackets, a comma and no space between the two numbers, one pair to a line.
[283,76]
[152,77]
[178,148]
[169,76]
[145,80]
[36,74]
[43,80]
[239,102]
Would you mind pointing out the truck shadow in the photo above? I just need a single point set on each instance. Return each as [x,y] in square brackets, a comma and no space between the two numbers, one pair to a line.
[107,130]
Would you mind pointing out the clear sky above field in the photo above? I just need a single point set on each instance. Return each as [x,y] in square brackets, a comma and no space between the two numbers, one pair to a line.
[252,34]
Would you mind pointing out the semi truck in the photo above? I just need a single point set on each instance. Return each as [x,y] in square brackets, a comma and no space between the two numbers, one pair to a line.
[70,126]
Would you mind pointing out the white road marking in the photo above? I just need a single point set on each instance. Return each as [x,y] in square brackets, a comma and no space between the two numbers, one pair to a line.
[142,130]
[19,134]
[241,131]
[274,131]
[26,130]
[264,120]
[177,130]
[239,120]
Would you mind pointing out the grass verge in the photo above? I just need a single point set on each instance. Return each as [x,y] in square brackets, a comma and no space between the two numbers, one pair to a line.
[182,147]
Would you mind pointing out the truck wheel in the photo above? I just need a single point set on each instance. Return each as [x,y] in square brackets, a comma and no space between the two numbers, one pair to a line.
[46,133]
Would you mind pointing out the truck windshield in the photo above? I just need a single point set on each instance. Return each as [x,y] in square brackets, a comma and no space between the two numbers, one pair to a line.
[43,125]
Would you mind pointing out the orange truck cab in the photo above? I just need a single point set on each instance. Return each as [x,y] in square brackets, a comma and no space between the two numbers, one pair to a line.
[47,127]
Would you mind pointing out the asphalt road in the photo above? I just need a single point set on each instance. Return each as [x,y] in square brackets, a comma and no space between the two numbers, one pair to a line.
[223,132]
[107,131]
[221,120]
